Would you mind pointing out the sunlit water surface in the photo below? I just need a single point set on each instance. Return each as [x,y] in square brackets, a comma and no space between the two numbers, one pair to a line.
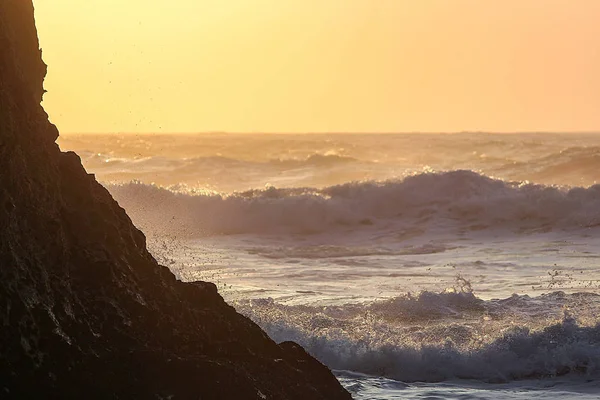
[415,266]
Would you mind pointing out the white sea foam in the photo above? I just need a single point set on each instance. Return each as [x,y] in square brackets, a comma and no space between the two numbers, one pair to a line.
[319,238]
[439,336]
[457,199]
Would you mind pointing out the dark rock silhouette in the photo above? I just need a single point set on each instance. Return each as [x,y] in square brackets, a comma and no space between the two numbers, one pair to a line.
[85,311]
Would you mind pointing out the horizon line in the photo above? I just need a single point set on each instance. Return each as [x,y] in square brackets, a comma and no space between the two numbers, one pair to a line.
[218,132]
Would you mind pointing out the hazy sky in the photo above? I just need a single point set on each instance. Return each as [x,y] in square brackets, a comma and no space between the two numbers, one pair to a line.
[321,65]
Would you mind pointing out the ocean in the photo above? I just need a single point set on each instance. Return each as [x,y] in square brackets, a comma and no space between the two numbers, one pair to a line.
[415,266]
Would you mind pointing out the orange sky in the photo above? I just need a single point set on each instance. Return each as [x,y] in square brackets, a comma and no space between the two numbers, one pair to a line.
[321,65]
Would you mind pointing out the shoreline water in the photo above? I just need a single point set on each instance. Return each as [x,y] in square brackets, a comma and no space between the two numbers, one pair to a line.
[376,263]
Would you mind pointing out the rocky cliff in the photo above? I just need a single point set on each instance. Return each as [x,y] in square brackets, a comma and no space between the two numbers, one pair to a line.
[85,311]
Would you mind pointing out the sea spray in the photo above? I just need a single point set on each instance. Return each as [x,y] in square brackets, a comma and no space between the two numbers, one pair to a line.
[439,336]
[460,200]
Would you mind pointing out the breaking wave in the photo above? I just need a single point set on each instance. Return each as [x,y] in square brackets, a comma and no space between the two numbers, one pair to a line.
[433,337]
[457,199]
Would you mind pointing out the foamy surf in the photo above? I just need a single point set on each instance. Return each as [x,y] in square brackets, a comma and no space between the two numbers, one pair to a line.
[462,200]
[348,244]
[441,336]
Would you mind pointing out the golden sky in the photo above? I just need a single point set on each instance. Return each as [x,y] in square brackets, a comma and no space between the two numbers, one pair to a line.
[321,65]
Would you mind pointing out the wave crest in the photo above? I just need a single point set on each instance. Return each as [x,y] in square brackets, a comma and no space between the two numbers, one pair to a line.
[457,199]
[439,336]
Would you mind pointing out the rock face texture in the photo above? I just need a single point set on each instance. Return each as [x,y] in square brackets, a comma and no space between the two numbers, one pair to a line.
[85,311]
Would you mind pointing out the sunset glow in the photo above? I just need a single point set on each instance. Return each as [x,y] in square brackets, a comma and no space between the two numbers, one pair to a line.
[326,66]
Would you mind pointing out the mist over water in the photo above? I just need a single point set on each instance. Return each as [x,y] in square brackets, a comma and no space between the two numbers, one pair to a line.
[239,162]
[469,259]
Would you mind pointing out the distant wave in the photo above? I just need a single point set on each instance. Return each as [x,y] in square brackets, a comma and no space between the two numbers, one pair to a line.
[572,164]
[313,160]
[572,153]
[317,160]
[251,161]
[158,163]
[457,199]
[439,336]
